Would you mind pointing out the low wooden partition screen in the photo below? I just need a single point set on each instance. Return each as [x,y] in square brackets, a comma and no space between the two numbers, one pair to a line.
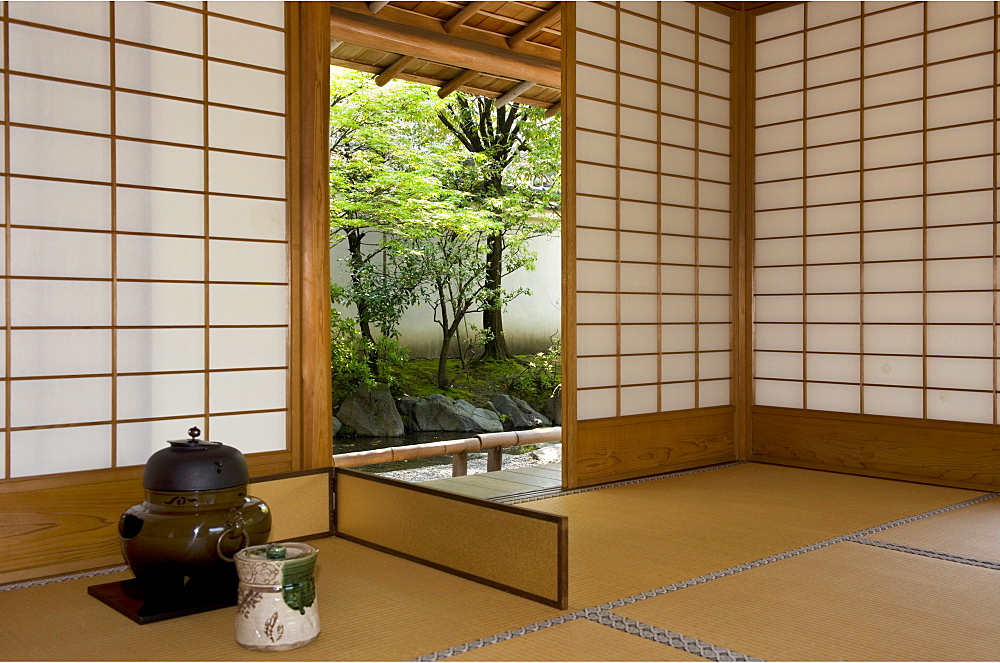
[518,550]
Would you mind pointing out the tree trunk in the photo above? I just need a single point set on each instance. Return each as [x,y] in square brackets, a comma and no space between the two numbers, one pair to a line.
[354,237]
[496,343]
[442,374]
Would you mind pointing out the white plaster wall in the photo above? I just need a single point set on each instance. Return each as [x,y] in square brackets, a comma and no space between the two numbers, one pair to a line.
[530,322]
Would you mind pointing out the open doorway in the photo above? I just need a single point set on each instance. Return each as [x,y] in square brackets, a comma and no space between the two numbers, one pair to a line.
[445,255]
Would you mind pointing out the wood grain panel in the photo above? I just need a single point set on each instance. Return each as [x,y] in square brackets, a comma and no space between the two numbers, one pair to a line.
[641,445]
[948,454]
[53,525]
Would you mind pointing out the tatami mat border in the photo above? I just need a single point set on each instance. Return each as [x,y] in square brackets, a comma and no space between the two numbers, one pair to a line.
[531,497]
[926,552]
[442,654]
[665,637]
[72,576]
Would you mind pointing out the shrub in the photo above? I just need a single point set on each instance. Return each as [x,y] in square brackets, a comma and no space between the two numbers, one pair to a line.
[539,379]
[355,361]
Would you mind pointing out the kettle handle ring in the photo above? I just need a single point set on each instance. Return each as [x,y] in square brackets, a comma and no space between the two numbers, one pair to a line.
[218,542]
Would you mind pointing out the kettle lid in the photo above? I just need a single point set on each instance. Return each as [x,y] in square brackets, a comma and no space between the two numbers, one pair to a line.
[195,464]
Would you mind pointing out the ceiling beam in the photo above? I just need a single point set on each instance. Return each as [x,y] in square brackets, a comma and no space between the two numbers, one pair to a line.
[463,15]
[554,109]
[513,93]
[536,26]
[373,7]
[457,82]
[372,32]
[396,67]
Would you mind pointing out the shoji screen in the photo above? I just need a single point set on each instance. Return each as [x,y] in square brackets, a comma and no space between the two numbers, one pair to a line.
[144,225]
[875,256]
[652,228]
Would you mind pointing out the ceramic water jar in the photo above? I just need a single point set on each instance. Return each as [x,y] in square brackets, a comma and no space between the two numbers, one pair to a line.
[276,607]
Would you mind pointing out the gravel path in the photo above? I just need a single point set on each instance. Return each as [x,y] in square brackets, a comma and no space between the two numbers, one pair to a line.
[550,453]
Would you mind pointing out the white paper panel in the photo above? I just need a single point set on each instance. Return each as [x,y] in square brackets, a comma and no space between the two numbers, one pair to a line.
[778,337]
[714,336]
[268,13]
[249,44]
[833,278]
[38,352]
[677,308]
[592,307]
[894,276]
[599,276]
[594,82]
[833,159]
[149,164]
[960,75]
[677,396]
[54,154]
[966,141]
[894,245]
[894,370]
[778,394]
[156,71]
[939,16]
[833,308]
[779,51]
[832,248]
[638,186]
[157,25]
[832,38]
[822,13]
[247,261]
[714,365]
[781,137]
[830,129]
[894,182]
[894,55]
[59,204]
[782,108]
[960,108]
[778,308]
[59,401]
[833,337]
[39,51]
[160,258]
[596,372]
[893,151]
[833,218]
[677,338]
[54,450]
[251,433]
[785,365]
[893,339]
[713,393]
[248,304]
[233,391]
[961,374]
[903,213]
[246,88]
[639,369]
[639,30]
[638,400]
[960,241]
[638,339]
[156,304]
[638,247]
[596,340]
[638,308]
[892,24]
[960,175]
[944,308]
[893,119]
[894,308]
[637,61]
[165,395]
[62,105]
[714,309]
[60,303]
[149,350]
[783,21]
[834,68]
[973,207]
[895,87]
[960,406]
[638,154]
[143,116]
[151,211]
[833,368]
[677,367]
[60,253]
[246,175]
[960,340]
[893,401]
[637,277]
[246,218]
[833,397]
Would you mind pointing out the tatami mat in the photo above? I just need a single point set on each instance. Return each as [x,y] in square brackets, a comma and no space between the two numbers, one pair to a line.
[578,640]
[973,532]
[632,538]
[846,602]
[372,607]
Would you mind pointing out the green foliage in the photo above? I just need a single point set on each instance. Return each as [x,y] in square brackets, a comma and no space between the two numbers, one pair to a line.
[356,361]
[543,374]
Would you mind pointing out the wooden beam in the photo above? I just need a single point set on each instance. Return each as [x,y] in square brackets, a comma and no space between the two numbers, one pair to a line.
[536,26]
[457,82]
[396,67]
[463,15]
[373,7]
[554,109]
[334,45]
[513,93]
[372,32]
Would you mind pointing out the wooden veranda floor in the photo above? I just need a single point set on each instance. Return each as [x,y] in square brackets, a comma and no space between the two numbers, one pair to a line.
[497,485]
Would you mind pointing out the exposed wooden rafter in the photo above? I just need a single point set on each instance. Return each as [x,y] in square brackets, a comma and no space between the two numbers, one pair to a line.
[513,93]
[457,82]
[554,109]
[463,15]
[373,7]
[372,32]
[392,70]
[536,26]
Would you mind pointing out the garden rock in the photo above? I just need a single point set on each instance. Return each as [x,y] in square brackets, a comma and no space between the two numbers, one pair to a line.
[553,407]
[337,425]
[549,453]
[520,414]
[371,413]
[440,413]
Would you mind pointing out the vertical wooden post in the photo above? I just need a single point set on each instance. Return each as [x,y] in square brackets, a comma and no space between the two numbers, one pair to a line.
[310,407]
[460,464]
[568,115]
[494,459]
